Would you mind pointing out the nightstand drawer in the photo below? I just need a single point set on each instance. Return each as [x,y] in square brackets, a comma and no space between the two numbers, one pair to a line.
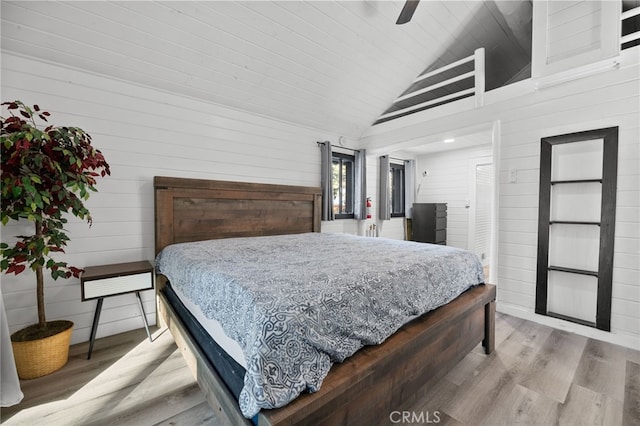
[111,280]
[117,285]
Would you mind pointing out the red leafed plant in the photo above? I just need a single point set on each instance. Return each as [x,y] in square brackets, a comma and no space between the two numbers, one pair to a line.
[46,172]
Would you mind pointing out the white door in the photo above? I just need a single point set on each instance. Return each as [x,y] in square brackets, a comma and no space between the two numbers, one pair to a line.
[480,207]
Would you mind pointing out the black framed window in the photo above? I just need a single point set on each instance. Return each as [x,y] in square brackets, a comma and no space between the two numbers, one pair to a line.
[343,189]
[396,186]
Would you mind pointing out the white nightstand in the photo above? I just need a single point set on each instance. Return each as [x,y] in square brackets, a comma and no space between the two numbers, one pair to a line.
[98,282]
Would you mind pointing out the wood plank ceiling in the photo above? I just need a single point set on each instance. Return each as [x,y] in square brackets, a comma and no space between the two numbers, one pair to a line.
[330,65]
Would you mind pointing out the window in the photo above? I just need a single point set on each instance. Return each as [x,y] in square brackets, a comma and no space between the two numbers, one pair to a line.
[343,179]
[396,186]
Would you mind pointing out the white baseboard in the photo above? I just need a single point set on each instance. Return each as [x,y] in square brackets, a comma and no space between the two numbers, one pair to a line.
[626,340]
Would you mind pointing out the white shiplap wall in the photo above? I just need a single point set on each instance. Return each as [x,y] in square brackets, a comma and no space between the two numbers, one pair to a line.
[570,34]
[609,98]
[600,101]
[142,133]
[573,28]
[447,181]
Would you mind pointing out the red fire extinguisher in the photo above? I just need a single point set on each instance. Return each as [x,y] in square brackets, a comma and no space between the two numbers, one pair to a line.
[368,207]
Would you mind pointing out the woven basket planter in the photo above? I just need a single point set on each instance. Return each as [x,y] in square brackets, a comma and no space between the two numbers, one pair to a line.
[37,358]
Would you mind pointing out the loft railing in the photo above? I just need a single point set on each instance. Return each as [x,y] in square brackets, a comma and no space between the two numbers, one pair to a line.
[630,39]
[633,36]
[477,90]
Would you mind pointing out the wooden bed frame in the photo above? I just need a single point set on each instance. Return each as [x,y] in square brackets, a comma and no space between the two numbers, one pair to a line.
[367,387]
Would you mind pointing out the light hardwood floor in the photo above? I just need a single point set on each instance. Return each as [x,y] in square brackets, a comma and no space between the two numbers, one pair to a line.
[536,376]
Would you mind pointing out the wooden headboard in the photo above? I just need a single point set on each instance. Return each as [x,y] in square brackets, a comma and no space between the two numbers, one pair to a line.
[197,209]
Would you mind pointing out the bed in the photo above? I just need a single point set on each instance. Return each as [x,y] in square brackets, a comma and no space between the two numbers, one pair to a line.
[365,387]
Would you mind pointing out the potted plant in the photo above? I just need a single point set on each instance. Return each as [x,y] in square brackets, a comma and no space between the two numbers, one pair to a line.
[46,172]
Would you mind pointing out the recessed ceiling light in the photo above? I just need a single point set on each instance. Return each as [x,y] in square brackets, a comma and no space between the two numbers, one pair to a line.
[449,140]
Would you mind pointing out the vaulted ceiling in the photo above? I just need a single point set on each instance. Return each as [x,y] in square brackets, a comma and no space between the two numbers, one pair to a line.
[330,65]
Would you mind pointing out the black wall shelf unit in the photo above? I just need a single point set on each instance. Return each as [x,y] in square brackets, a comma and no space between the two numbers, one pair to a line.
[607,192]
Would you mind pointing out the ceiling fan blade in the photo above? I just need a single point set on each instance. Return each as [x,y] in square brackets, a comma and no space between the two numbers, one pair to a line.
[407,11]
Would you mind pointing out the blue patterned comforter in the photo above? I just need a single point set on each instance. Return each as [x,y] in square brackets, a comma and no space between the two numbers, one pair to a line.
[298,303]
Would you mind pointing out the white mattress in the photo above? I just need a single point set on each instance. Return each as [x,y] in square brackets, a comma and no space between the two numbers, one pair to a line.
[213,327]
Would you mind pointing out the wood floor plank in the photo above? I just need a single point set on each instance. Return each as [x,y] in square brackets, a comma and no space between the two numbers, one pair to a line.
[586,407]
[631,405]
[506,325]
[468,367]
[521,348]
[602,369]
[433,399]
[553,369]
[146,408]
[530,334]
[201,414]
[474,399]
[522,406]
